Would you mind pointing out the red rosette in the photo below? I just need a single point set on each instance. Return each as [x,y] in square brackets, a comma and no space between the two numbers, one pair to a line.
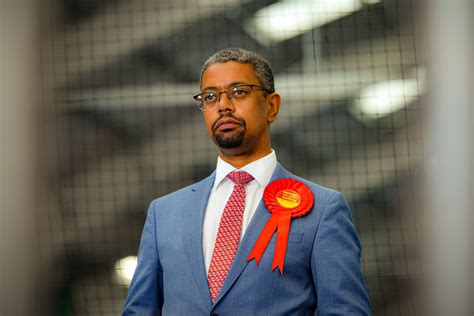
[305,194]
[286,199]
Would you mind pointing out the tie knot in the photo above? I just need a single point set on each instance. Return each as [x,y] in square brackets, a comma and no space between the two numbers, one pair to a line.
[240,177]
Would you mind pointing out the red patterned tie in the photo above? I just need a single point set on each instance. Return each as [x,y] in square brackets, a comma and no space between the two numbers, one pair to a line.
[228,234]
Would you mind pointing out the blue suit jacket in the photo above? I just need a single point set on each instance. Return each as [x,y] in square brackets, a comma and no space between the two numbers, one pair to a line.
[322,264]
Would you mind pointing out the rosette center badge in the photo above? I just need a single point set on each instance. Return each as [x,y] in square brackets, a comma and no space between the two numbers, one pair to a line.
[288,198]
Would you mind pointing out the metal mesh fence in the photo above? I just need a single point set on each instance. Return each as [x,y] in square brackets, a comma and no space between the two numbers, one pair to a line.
[127,130]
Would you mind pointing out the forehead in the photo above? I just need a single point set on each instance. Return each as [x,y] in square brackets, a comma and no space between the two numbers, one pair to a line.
[223,75]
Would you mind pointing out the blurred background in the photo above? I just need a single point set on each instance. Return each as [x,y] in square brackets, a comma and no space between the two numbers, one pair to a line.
[97,119]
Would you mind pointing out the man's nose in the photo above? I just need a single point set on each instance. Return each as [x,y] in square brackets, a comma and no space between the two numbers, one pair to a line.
[225,104]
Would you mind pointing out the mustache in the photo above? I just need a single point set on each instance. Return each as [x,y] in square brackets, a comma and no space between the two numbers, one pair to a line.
[228,115]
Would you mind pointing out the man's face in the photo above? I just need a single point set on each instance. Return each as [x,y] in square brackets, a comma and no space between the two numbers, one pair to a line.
[237,126]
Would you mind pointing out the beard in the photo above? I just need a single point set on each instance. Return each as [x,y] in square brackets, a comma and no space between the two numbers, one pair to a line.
[230,139]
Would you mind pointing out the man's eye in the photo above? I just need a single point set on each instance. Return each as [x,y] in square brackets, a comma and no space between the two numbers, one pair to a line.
[240,92]
[209,97]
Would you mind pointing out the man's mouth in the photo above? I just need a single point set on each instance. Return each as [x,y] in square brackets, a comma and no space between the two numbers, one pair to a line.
[226,124]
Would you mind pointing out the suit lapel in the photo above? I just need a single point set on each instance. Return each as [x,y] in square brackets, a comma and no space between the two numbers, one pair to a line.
[256,225]
[193,222]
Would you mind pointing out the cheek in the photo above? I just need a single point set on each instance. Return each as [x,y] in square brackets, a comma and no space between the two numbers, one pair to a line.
[256,119]
[208,121]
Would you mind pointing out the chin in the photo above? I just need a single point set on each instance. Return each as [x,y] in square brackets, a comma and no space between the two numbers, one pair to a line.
[229,141]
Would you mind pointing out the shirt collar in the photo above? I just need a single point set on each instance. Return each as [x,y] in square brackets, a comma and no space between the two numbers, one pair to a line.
[261,169]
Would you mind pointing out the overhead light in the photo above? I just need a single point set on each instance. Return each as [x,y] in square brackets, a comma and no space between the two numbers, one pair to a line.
[289,18]
[124,270]
[387,97]
[372,1]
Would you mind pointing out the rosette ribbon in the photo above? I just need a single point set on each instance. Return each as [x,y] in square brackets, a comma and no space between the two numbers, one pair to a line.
[285,199]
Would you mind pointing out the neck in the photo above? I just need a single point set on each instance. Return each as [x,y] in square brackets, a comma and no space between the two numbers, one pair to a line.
[240,159]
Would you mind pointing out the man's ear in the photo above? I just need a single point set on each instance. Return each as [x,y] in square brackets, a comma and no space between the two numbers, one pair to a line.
[273,101]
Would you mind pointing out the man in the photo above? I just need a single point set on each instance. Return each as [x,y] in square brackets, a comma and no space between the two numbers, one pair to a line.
[197,254]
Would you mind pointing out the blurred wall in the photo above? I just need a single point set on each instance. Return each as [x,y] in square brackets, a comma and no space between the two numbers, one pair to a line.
[448,216]
[20,148]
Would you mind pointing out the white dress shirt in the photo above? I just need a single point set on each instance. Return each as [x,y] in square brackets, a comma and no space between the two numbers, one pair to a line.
[261,170]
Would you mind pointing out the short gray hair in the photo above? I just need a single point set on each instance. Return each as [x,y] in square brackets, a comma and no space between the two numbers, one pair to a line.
[263,70]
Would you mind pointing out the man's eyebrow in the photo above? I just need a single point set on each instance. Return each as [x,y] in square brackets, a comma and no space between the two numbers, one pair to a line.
[232,84]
